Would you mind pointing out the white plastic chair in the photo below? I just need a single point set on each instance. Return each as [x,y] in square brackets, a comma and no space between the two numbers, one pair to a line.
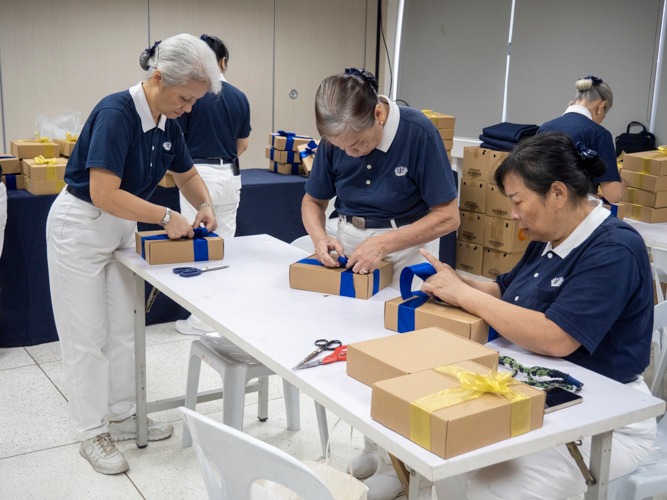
[242,460]
[659,256]
[650,478]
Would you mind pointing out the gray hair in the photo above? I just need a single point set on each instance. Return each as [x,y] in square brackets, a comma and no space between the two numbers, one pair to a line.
[590,91]
[181,59]
[344,103]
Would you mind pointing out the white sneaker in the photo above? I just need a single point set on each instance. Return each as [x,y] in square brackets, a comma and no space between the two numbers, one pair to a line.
[182,326]
[103,455]
[127,429]
[384,484]
[365,463]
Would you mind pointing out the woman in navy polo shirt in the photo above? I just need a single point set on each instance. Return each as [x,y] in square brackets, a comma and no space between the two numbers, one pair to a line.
[557,302]
[127,144]
[216,132]
[395,192]
[582,121]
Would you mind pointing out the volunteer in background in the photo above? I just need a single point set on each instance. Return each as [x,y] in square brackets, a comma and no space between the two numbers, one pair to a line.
[127,144]
[582,121]
[551,304]
[216,132]
[395,192]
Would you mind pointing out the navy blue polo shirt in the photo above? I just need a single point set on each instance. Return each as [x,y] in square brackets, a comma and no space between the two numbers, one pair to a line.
[600,293]
[215,122]
[411,174]
[580,128]
[124,139]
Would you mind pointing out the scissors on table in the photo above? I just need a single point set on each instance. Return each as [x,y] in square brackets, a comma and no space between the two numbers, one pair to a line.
[189,272]
[322,345]
[339,354]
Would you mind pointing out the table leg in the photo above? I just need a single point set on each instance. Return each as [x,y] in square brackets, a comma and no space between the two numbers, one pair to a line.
[140,360]
[420,487]
[599,466]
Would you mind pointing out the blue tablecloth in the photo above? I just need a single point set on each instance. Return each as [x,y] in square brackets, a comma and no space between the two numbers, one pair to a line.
[270,204]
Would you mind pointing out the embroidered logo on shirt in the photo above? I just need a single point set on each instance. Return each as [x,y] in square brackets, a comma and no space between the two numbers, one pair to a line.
[166,146]
[401,171]
[557,281]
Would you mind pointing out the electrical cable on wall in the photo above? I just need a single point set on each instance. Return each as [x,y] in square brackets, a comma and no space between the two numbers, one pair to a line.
[391,75]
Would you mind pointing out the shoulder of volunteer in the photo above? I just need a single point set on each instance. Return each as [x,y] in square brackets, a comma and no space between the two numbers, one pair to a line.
[417,119]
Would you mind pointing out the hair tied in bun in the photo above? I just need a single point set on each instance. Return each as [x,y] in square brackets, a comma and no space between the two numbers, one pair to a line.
[585,152]
[366,76]
[147,54]
[596,80]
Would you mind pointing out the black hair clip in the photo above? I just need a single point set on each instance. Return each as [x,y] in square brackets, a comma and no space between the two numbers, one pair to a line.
[586,153]
[366,76]
[596,80]
[147,54]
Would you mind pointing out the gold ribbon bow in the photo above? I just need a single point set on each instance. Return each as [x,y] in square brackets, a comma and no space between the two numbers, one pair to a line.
[40,160]
[70,138]
[428,112]
[49,147]
[51,171]
[473,386]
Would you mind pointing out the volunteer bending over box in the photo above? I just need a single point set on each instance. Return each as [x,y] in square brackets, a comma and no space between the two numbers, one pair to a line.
[558,301]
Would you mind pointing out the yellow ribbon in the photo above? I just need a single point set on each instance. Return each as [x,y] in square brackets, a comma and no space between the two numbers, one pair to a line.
[636,212]
[48,144]
[40,160]
[70,138]
[472,387]
[51,171]
[646,160]
[631,194]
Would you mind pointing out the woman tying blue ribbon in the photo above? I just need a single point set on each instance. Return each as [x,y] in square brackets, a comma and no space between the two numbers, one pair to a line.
[582,121]
[395,192]
[557,302]
[127,144]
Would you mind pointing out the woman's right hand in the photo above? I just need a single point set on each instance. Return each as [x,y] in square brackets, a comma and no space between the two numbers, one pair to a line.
[179,227]
[324,246]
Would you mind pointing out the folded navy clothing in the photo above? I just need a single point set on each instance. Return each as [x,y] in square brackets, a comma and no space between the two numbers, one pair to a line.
[513,132]
[498,145]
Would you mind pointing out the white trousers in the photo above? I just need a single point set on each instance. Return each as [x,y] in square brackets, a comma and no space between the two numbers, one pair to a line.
[350,236]
[551,474]
[3,215]
[93,302]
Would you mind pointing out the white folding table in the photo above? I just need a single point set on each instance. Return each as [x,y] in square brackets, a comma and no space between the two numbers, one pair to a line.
[252,305]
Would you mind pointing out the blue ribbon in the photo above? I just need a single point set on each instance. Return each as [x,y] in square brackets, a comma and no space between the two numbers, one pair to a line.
[200,244]
[614,210]
[346,277]
[311,149]
[289,144]
[10,181]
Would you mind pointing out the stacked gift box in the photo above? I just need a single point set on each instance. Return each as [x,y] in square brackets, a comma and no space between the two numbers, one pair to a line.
[283,153]
[10,166]
[445,125]
[42,167]
[646,197]
[489,242]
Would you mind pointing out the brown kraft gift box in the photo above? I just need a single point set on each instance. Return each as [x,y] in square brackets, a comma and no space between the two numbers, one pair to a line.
[455,429]
[10,165]
[646,182]
[388,357]
[286,168]
[308,160]
[166,251]
[449,318]
[280,156]
[620,209]
[66,147]
[31,149]
[645,214]
[498,262]
[497,203]
[43,187]
[505,235]
[440,120]
[472,226]
[276,141]
[327,280]
[469,257]
[37,172]
[16,181]
[647,162]
[473,195]
[447,134]
[636,196]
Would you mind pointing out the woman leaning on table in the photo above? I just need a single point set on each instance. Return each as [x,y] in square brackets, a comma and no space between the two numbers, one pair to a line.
[395,192]
[128,142]
[582,121]
[557,302]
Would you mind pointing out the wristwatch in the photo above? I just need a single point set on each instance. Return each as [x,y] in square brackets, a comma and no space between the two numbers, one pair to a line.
[166,218]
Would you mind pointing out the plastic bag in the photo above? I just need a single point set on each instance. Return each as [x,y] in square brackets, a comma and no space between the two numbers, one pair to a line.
[68,121]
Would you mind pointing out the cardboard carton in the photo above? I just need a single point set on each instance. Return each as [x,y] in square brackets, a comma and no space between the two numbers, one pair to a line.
[647,162]
[285,143]
[446,133]
[497,158]
[646,182]
[286,168]
[166,251]
[440,120]
[505,235]
[498,262]
[31,149]
[473,195]
[167,181]
[432,313]
[310,158]
[66,147]
[280,156]
[449,144]
[456,429]
[50,172]
[43,187]
[497,203]
[469,257]
[13,182]
[10,165]
[480,163]
[330,280]
[374,360]
[617,210]
[472,227]
[636,196]
[645,214]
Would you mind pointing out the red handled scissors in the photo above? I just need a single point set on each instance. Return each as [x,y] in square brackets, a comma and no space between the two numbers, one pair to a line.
[339,354]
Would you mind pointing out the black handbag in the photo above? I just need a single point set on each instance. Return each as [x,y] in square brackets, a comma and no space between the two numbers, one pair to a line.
[635,143]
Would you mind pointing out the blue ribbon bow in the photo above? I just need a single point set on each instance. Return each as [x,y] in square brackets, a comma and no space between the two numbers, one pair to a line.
[346,277]
[199,243]
[585,152]
[596,80]
[311,149]
[10,181]
[290,138]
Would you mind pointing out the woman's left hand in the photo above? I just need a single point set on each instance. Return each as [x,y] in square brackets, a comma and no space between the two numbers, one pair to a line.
[207,216]
[367,256]
[445,284]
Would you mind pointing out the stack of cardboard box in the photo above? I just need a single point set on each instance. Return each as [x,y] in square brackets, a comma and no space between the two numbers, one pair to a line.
[489,241]
[283,153]
[11,172]
[646,197]
[42,166]
[445,125]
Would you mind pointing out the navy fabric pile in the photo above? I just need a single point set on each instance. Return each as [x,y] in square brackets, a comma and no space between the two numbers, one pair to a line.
[504,136]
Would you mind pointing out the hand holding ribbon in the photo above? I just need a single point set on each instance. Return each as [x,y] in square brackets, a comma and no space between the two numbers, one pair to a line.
[323,249]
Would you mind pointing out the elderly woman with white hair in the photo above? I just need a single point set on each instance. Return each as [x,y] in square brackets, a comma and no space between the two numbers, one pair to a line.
[128,142]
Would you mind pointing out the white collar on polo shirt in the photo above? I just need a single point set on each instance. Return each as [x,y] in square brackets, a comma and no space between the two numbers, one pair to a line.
[140,102]
[390,126]
[222,78]
[576,108]
[582,231]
